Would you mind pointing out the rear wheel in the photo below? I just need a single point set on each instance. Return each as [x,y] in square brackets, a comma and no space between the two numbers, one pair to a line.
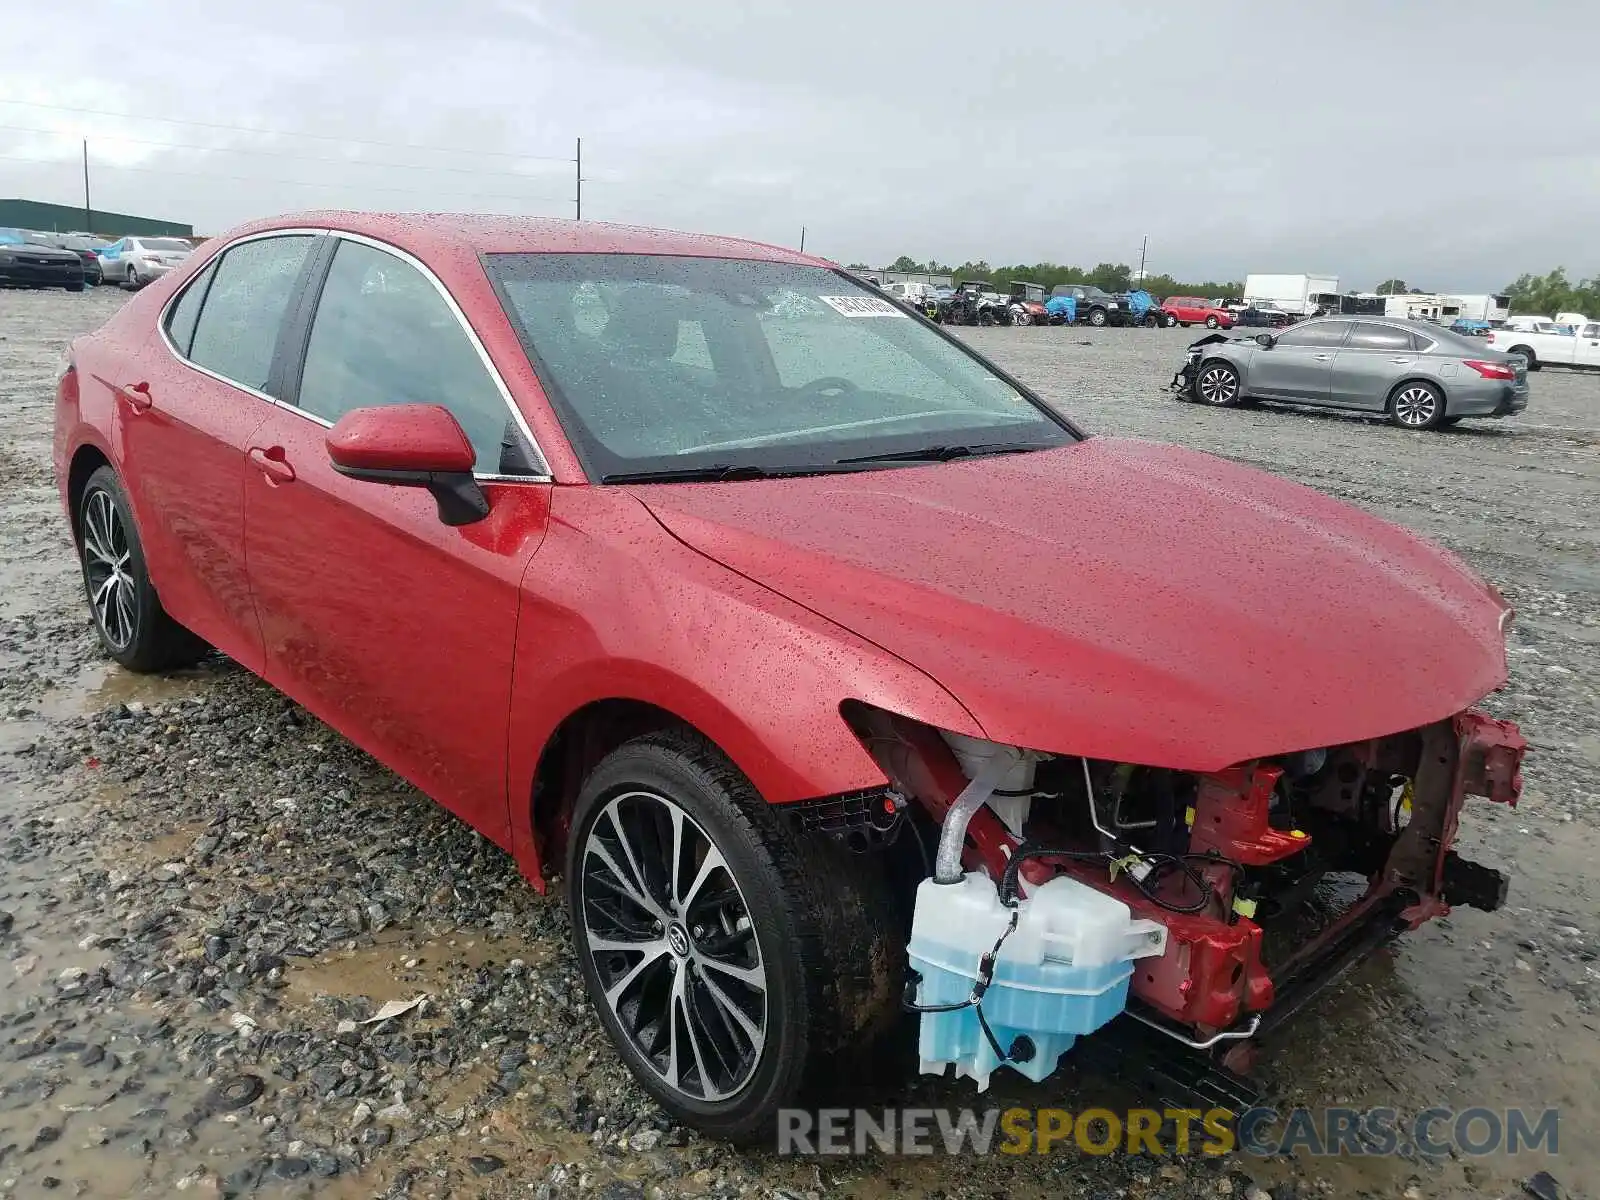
[1416,405]
[1151,321]
[985,317]
[737,964]
[1527,353]
[132,277]
[1217,384]
[133,627]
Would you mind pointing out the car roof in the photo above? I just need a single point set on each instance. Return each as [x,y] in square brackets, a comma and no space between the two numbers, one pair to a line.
[493,234]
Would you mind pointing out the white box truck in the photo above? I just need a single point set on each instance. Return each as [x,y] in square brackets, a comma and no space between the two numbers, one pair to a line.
[1292,293]
[1492,308]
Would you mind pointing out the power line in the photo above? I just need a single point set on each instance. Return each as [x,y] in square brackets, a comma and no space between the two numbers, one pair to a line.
[321,137]
[298,182]
[360,162]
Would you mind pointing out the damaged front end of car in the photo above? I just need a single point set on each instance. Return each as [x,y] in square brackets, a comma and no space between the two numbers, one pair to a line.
[1240,893]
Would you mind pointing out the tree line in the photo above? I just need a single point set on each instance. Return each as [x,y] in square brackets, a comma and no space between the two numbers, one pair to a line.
[1554,293]
[1547,294]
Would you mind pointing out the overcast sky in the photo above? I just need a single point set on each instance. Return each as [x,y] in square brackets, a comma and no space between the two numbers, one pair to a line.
[1454,144]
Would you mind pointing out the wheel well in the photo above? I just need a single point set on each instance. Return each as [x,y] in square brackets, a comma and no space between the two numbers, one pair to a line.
[576,747]
[85,463]
[1525,351]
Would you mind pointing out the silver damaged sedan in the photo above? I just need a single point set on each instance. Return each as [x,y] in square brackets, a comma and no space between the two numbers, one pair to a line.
[1419,375]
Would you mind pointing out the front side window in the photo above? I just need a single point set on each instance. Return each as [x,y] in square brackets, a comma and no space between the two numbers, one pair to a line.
[244,308]
[1380,337]
[1315,333]
[665,364]
[384,335]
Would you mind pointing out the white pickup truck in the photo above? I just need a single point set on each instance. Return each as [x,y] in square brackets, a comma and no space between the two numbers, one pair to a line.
[1544,343]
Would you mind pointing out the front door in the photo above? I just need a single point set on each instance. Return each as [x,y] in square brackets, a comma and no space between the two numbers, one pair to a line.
[1298,366]
[186,407]
[1369,364]
[1588,349]
[393,627]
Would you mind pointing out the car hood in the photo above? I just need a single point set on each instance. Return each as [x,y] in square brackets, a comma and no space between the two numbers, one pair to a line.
[1121,599]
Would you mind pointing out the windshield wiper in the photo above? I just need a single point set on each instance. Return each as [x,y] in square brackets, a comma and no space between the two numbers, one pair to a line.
[946,453]
[716,473]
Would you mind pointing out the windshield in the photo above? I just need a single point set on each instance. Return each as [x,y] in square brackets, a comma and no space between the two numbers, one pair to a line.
[164,244]
[667,364]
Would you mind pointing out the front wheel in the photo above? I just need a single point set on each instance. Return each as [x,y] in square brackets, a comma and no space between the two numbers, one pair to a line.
[1097,317]
[739,965]
[1212,322]
[133,627]
[1217,384]
[1417,405]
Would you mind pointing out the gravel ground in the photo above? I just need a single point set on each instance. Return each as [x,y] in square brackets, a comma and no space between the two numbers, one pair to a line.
[207,896]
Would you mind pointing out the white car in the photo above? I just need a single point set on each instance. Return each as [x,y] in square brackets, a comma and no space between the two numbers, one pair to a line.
[1548,344]
[135,261]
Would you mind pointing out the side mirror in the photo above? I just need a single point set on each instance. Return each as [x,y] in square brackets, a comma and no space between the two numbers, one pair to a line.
[1267,340]
[411,445]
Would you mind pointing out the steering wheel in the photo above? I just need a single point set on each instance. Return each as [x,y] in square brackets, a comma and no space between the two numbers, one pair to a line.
[830,386]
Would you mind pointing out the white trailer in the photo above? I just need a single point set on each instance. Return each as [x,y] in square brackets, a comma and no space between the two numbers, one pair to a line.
[1423,306]
[1492,308]
[1292,293]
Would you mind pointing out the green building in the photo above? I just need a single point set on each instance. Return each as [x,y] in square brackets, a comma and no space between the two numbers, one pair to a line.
[62,218]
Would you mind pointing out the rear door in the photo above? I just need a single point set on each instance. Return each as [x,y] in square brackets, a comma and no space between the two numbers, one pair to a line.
[1373,359]
[187,403]
[1299,365]
[393,627]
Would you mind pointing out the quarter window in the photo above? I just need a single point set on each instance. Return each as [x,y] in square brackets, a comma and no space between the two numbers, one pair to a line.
[1380,337]
[1315,333]
[181,319]
[384,335]
[244,308]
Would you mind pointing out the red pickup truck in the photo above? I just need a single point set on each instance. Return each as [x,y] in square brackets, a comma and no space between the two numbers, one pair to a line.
[1192,310]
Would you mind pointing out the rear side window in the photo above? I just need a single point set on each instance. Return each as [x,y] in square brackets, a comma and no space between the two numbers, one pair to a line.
[1381,337]
[244,307]
[384,335]
[1317,333]
[182,316]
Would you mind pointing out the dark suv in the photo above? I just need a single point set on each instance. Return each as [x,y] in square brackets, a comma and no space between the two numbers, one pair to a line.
[1095,307]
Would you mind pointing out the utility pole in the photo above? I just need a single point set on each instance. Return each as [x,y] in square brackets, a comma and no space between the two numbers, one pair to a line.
[579,178]
[802,239]
[1143,246]
[88,213]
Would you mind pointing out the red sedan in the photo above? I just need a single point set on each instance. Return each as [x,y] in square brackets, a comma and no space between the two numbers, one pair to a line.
[1193,310]
[697,572]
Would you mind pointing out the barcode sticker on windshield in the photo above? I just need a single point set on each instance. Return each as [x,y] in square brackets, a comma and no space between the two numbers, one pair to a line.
[861,306]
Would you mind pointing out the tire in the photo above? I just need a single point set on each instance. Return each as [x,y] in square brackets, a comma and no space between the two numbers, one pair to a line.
[806,949]
[1151,321]
[1527,353]
[1416,404]
[133,627]
[1021,318]
[1217,383]
[985,317]
[1212,322]
[131,277]
[1097,317]
[1169,321]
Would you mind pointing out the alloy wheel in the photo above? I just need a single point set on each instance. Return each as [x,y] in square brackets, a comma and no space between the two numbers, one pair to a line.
[1218,385]
[1415,406]
[673,946]
[107,560]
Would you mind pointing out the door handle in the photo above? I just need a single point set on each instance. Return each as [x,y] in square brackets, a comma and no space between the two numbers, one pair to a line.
[1401,362]
[273,463]
[137,396]
[1322,357]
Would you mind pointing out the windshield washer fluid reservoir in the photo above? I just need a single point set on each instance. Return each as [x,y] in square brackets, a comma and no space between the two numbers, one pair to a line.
[1062,972]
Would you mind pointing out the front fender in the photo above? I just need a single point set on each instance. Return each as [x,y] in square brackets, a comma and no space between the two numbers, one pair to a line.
[614,607]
